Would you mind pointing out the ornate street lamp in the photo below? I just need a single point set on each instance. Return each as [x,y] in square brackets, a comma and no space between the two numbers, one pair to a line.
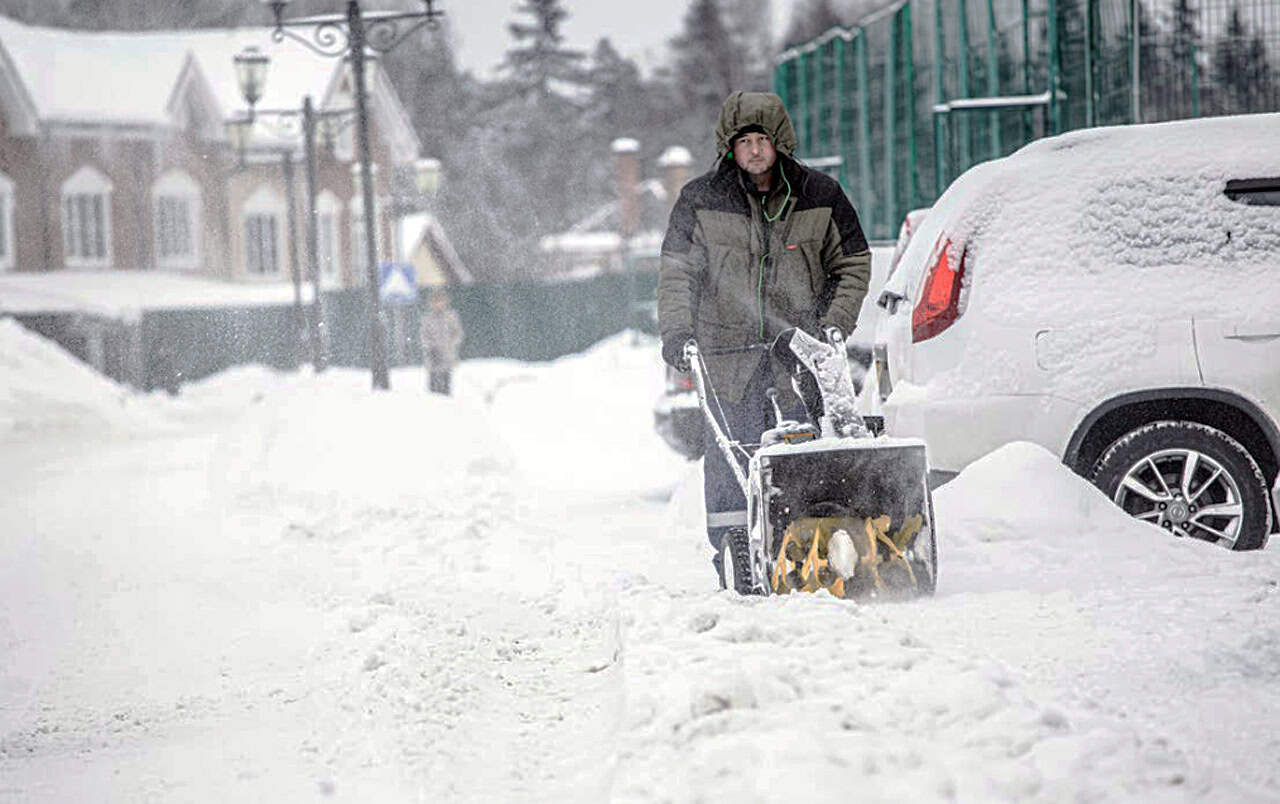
[251,68]
[251,74]
[351,36]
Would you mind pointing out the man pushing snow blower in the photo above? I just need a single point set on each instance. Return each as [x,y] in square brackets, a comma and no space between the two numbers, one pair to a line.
[758,246]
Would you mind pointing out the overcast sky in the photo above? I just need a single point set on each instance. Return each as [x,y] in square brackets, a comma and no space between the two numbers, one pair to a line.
[638,28]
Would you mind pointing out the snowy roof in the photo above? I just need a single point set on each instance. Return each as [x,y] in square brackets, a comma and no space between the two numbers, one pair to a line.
[675,156]
[124,294]
[599,242]
[131,77]
[424,227]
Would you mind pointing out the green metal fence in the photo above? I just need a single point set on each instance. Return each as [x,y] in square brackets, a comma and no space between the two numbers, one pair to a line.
[904,101]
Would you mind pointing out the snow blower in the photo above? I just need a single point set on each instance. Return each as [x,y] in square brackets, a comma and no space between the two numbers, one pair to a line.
[829,505]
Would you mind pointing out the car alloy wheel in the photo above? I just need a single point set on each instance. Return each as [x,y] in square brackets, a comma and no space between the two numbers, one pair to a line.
[1189,479]
[1203,500]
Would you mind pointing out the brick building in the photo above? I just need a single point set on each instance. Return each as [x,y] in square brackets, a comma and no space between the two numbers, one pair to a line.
[114,156]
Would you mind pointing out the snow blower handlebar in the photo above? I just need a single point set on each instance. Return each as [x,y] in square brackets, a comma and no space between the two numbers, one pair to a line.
[722,440]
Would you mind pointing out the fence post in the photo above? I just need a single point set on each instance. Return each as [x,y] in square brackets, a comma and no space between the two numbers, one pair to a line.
[909,41]
[1195,82]
[1089,120]
[940,142]
[803,116]
[1026,66]
[1055,120]
[819,145]
[993,80]
[1135,66]
[890,127]
[962,12]
[864,124]
[840,91]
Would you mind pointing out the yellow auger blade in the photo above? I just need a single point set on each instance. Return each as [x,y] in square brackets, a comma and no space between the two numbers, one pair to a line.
[804,562]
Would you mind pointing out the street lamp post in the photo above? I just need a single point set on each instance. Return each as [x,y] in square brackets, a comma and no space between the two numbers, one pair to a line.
[240,131]
[348,36]
[251,69]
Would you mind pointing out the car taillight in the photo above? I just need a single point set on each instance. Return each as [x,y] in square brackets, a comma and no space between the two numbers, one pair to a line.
[679,381]
[939,304]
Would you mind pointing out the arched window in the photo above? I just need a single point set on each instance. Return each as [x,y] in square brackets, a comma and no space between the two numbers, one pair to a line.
[263,245]
[7,242]
[328,253]
[177,217]
[86,219]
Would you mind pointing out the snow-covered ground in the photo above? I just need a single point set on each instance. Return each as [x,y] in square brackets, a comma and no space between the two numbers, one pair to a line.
[284,587]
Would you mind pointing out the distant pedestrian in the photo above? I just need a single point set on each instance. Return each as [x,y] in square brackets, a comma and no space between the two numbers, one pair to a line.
[441,335]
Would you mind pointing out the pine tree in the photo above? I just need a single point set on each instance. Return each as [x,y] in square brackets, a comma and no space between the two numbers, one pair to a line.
[707,66]
[618,98]
[539,57]
[750,27]
[1242,71]
[811,19]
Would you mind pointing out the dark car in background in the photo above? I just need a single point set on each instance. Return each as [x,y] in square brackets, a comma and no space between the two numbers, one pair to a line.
[677,417]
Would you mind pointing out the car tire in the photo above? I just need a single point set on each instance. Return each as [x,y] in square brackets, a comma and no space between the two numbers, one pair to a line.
[1191,479]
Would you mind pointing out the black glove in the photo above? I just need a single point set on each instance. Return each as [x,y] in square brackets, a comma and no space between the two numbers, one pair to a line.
[673,351]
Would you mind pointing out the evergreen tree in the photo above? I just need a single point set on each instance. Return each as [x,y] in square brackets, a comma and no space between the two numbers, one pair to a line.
[539,57]
[1242,71]
[617,93]
[707,66]
[750,27]
[811,19]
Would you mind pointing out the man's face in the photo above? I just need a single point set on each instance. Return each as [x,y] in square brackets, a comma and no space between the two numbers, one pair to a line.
[754,153]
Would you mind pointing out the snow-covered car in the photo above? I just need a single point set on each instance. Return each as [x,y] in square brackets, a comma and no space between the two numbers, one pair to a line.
[677,417]
[910,225]
[1114,296]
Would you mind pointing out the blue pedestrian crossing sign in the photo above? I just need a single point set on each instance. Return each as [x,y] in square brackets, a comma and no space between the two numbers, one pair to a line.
[398,283]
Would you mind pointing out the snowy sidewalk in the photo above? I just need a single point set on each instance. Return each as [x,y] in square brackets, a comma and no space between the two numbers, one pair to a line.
[284,587]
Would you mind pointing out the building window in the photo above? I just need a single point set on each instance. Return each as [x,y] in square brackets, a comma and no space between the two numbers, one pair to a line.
[261,244]
[7,243]
[86,219]
[177,220]
[261,215]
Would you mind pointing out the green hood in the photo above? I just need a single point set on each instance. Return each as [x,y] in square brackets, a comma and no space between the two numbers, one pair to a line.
[764,109]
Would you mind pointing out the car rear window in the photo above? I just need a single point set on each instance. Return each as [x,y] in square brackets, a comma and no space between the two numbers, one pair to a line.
[1254,192]
[1159,220]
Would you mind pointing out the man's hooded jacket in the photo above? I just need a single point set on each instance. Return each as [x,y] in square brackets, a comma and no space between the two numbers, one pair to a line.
[736,271]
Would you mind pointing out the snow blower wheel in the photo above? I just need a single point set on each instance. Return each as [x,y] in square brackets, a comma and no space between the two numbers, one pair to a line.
[735,562]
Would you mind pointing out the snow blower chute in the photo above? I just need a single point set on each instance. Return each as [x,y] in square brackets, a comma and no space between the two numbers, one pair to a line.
[829,505]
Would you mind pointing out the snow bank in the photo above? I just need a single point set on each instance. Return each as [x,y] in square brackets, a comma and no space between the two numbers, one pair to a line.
[584,423]
[1019,519]
[43,387]
[330,438]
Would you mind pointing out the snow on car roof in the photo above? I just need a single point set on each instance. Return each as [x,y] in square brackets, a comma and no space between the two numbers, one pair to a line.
[1088,217]
[1107,241]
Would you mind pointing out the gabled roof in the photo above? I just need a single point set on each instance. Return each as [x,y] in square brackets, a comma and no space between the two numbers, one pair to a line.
[134,76]
[424,229]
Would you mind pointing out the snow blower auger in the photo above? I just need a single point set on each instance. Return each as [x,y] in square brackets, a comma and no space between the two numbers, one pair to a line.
[829,505]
